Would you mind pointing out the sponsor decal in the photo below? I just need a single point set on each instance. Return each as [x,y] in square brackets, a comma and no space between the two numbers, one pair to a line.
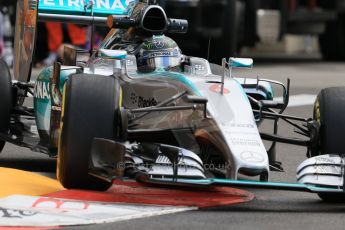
[59,204]
[217,88]
[15,213]
[252,157]
[158,43]
[42,90]
[324,159]
[162,54]
[238,125]
[101,4]
[327,169]
[142,102]
[244,141]
[19,210]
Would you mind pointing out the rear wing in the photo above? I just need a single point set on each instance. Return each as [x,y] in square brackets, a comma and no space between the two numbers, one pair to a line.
[77,7]
[69,11]
[81,12]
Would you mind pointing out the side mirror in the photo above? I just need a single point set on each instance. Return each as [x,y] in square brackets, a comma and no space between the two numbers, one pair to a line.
[112,54]
[109,58]
[234,63]
[240,63]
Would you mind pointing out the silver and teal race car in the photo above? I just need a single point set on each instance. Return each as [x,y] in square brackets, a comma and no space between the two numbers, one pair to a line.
[139,108]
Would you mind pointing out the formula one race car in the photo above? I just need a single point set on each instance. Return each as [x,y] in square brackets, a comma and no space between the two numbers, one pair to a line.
[137,107]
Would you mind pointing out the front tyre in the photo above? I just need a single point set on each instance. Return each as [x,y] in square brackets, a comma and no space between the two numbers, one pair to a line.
[329,109]
[5,99]
[88,111]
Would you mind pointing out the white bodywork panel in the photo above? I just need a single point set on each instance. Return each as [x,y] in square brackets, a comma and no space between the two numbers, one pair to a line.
[234,116]
[327,170]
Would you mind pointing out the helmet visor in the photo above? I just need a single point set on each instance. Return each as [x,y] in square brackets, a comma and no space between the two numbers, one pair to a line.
[165,59]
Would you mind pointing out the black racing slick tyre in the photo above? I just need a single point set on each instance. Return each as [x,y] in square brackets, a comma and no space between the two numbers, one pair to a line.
[88,111]
[5,99]
[328,111]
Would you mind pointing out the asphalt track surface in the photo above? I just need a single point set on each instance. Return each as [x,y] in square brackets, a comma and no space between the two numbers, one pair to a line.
[271,209]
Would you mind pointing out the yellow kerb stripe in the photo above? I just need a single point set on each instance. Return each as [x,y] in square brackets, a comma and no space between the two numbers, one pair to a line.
[18,182]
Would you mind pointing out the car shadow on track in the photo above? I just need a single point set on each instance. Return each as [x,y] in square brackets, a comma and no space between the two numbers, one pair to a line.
[283,206]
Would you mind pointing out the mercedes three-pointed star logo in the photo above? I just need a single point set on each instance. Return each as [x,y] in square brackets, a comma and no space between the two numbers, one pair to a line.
[252,157]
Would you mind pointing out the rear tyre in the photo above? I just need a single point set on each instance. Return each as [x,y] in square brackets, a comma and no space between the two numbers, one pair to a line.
[88,111]
[5,99]
[328,110]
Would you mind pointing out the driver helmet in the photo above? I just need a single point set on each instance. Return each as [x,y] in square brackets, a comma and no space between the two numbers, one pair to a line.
[158,52]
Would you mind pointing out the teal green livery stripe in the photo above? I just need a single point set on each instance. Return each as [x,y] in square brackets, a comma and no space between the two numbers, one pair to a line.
[252,184]
[273,184]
